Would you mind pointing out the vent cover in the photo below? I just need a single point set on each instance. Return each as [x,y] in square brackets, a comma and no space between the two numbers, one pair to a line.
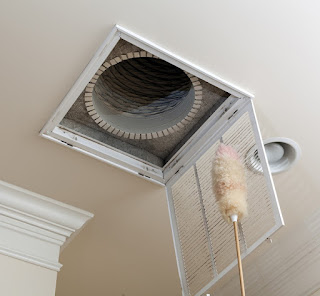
[141,105]
[138,107]
[204,242]
[147,111]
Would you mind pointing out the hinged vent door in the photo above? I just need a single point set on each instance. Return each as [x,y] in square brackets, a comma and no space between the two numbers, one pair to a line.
[204,243]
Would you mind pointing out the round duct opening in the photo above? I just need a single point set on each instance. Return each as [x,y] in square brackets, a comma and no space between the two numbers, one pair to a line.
[143,95]
[282,154]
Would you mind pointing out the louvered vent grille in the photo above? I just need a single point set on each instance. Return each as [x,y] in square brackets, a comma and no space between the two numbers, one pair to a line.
[203,240]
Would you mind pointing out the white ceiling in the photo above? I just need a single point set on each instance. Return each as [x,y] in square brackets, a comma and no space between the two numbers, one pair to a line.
[270,48]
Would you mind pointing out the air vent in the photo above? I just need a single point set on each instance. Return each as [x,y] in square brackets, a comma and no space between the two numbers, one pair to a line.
[143,109]
[141,105]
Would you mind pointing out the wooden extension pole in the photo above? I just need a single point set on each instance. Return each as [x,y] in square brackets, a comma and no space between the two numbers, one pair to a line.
[236,236]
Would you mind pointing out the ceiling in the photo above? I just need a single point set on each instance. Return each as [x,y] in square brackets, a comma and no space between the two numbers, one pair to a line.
[270,49]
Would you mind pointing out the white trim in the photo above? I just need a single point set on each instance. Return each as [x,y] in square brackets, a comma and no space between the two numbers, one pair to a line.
[106,154]
[33,228]
[176,243]
[30,259]
[265,167]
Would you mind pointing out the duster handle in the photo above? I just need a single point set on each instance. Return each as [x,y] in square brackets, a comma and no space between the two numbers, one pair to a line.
[236,236]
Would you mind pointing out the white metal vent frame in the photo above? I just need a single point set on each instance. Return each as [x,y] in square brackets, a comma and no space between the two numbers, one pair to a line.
[110,155]
[220,121]
[211,137]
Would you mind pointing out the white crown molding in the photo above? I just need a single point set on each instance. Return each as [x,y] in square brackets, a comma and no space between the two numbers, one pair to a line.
[36,228]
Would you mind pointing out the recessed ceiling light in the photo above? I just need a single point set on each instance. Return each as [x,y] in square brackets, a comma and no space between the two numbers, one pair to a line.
[282,154]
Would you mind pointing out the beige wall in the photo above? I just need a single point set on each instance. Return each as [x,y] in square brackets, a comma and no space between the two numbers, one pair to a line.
[19,278]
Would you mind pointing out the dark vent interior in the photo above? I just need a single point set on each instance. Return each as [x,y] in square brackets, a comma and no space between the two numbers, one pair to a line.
[143,95]
[142,105]
[142,87]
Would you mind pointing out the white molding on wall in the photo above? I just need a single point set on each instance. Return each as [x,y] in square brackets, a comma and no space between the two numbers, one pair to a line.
[35,228]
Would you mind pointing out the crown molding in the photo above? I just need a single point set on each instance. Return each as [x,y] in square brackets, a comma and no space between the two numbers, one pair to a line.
[35,228]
